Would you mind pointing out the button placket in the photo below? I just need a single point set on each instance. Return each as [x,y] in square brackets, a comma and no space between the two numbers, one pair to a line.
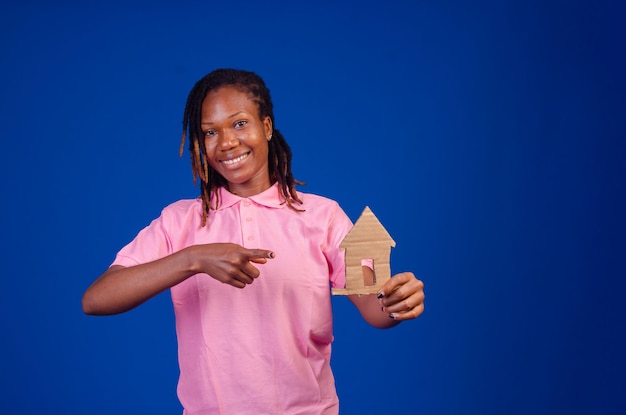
[248,224]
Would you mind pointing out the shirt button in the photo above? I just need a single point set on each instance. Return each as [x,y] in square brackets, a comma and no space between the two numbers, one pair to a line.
[250,238]
[246,203]
[248,219]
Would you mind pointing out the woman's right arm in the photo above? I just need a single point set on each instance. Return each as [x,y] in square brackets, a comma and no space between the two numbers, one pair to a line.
[121,289]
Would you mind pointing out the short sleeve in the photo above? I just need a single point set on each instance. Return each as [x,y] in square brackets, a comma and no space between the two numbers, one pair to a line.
[150,244]
[338,227]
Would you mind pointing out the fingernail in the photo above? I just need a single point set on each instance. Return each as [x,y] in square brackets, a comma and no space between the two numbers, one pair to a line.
[392,315]
[380,295]
[272,255]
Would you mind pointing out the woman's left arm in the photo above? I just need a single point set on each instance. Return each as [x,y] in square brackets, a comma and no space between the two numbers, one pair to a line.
[401,298]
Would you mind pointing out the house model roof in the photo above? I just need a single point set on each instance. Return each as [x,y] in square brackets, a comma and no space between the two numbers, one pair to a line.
[367,249]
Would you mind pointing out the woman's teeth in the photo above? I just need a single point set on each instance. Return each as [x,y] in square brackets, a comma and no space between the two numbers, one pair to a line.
[235,160]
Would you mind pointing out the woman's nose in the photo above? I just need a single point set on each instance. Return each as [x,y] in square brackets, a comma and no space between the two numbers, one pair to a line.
[228,140]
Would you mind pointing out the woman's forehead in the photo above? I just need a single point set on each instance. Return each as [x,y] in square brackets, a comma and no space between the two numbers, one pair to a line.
[228,101]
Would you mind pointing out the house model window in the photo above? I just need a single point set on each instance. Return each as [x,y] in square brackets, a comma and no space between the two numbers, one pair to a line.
[367,251]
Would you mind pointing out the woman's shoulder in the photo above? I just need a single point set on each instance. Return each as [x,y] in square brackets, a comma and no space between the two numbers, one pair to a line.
[323,210]
[321,206]
[182,207]
[314,200]
[181,215]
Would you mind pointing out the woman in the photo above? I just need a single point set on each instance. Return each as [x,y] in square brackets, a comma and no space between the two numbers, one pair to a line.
[248,265]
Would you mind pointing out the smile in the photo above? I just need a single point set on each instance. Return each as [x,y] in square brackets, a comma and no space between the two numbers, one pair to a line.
[235,160]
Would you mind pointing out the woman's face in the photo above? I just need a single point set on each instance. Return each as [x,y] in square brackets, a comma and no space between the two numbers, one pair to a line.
[236,140]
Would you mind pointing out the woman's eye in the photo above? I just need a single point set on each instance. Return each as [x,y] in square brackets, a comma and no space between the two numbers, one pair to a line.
[240,124]
[209,133]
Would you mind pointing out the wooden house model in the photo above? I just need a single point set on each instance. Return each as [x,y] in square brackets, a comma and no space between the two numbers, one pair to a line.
[367,252]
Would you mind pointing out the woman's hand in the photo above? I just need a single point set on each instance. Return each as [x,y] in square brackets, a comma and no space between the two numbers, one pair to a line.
[229,263]
[402,297]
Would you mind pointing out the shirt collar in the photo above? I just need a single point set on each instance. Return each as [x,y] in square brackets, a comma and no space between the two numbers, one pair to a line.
[270,197]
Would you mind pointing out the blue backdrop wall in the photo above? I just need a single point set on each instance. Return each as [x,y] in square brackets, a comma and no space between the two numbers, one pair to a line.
[487,137]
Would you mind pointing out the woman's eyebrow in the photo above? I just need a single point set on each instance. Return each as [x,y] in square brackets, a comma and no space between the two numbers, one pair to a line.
[230,116]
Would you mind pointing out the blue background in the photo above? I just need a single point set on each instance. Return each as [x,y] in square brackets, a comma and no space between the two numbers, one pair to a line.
[488,137]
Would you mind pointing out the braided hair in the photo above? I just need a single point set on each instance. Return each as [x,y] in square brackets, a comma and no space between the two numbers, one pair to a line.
[279,154]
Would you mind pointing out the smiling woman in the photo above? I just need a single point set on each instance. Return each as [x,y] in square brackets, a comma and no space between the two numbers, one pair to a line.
[245,94]
[248,265]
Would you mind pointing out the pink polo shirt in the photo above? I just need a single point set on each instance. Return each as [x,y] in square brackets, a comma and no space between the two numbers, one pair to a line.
[264,349]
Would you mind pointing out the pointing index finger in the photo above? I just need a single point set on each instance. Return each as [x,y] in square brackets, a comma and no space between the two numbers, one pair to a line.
[260,254]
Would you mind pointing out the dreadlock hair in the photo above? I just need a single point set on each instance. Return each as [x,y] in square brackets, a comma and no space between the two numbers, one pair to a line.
[279,154]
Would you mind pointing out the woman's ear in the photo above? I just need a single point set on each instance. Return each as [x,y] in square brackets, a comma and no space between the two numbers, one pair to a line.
[269,128]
